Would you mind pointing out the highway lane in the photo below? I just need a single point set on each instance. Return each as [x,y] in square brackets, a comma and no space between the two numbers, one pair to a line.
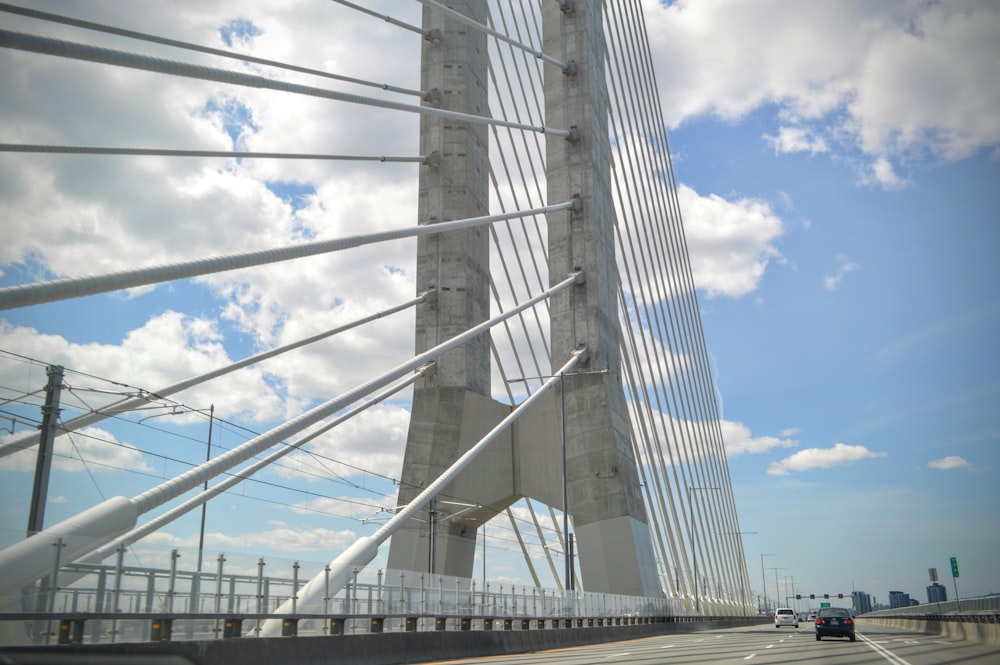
[763,645]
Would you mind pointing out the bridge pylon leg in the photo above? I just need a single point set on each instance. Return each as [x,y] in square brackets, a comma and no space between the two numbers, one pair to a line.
[452,409]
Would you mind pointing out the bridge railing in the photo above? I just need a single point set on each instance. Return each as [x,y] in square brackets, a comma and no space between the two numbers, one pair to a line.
[970,619]
[233,596]
[986,605]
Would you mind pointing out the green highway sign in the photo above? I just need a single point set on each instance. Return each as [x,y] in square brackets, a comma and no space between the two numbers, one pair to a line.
[824,604]
[954,567]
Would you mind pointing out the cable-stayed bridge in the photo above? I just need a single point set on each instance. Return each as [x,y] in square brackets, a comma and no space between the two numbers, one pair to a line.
[559,365]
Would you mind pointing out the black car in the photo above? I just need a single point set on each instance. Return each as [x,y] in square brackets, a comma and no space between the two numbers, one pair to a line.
[834,622]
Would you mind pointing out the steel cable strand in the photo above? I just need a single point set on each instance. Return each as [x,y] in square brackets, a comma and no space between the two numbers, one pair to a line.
[41,292]
[21,563]
[690,458]
[472,23]
[31,438]
[155,39]
[712,444]
[728,518]
[56,47]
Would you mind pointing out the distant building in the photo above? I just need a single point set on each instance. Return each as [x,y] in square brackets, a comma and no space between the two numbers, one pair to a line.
[862,602]
[898,599]
[937,593]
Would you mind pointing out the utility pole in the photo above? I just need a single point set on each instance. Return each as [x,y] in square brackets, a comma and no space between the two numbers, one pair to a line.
[50,416]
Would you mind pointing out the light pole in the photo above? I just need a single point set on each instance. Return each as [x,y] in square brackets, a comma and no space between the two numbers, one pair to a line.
[743,588]
[763,580]
[777,590]
[208,456]
[568,550]
[694,552]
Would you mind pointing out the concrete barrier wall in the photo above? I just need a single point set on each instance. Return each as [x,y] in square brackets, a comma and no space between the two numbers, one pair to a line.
[964,631]
[367,649]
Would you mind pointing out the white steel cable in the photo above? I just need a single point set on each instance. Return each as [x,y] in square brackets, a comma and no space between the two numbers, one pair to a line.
[694,404]
[461,18]
[161,152]
[711,442]
[524,549]
[242,57]
[22,562]
[74,287]
[666,427]
[241,475]
[29,439]
[689,455]
[190,479]
[365,548]
[385,17]
[60,48]
[510,101]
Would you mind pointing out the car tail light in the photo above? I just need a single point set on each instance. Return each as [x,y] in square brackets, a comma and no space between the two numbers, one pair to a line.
[820,622]
[848,621]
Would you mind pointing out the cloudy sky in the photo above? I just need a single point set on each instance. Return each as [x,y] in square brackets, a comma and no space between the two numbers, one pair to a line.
[837,171]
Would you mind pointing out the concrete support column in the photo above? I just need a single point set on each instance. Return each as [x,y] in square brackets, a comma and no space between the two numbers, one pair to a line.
[455,186]
[612,533]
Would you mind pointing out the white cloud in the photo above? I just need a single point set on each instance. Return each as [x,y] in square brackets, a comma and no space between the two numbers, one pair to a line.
[881,173]
[796,139]
[822,458]
[168,348]
[71,216]
[730,242]
[831,282]
[91,449]
[950,462]
[739,440]
[281,538]
[893,78]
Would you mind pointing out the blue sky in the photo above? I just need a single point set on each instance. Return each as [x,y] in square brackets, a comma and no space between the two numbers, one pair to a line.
[840,207]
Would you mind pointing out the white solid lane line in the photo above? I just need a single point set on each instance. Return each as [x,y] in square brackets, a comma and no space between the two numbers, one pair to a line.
[882,651]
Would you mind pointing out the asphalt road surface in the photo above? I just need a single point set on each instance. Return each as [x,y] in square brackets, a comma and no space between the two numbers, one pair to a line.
[762,645]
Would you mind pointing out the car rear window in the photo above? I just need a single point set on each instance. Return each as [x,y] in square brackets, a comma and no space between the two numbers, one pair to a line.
[785,612]
[833,612]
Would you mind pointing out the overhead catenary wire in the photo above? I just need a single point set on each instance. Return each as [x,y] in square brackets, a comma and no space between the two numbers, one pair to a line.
[290,447]
[172,488]
[75,287]
[237,477]
[29,439]
[20,563]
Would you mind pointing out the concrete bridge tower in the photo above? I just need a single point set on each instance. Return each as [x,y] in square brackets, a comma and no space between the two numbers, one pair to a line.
[452,409]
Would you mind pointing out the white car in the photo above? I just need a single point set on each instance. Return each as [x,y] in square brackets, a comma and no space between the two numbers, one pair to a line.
[785,616]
